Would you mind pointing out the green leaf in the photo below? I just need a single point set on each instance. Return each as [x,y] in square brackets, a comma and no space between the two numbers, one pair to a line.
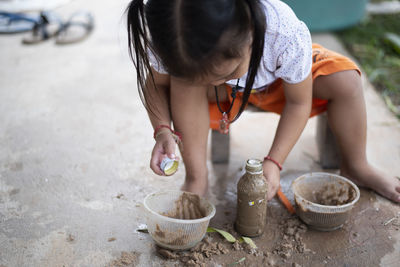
[248,241]
[225,234]
[390,104]
[393,40]
[237,262]
[143,230]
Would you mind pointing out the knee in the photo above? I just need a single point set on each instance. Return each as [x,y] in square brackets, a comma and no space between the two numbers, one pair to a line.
[349,85]
[340,85]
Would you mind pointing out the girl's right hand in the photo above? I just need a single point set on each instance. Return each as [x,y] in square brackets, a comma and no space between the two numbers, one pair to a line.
[164,147]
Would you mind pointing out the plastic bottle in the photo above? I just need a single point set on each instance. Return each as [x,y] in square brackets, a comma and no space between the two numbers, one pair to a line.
[251,200]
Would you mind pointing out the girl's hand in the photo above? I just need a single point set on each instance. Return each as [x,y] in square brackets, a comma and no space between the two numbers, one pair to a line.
[164,147]
[272,174]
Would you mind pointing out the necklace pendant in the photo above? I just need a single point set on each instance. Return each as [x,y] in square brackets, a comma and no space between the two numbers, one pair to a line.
[224,124]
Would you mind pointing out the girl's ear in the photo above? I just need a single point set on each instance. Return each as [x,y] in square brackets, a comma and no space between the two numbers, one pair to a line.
[250,38]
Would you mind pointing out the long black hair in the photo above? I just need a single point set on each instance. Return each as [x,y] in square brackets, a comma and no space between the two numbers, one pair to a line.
[190,37]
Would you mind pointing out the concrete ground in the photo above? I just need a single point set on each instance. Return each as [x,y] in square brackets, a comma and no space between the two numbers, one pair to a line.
[74,159]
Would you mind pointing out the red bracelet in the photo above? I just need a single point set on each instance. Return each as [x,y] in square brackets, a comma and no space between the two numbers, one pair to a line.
[159,127]
[274,161]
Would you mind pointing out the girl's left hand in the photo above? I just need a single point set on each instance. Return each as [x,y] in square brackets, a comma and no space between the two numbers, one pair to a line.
[272,174]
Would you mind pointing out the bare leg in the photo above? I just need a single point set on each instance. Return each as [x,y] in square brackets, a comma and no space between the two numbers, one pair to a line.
[189,109]
[347,118]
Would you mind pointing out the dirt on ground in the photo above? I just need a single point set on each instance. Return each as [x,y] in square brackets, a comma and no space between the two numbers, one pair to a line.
[212,246]
[197,256]
[127,259]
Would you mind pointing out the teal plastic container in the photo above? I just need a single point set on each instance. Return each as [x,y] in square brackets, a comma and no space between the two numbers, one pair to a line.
[327,15]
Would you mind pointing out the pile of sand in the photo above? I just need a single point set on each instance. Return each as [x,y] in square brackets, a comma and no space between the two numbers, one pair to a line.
[197,256]
[291,230]
[126,259]
[187,207]
[334,195]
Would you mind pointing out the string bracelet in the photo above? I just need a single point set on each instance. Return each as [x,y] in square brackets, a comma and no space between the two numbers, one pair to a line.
[175,134]
[274,161]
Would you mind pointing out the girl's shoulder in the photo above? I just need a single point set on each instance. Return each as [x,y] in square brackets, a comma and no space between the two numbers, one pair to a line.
[287,46]
[280,18]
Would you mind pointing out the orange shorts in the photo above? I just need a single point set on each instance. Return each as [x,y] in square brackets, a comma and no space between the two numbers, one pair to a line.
[272,99]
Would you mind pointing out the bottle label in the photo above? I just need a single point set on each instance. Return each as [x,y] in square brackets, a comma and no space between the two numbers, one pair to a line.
[252,203]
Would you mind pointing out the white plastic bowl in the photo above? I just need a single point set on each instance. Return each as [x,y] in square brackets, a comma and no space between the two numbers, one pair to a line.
[318,216]
[171,233]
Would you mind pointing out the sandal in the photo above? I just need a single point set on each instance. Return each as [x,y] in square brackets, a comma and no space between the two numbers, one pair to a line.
[77,28]
[16,23]
[45,28]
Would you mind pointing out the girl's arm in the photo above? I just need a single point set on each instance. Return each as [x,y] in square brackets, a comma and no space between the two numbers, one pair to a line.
[157,97]
[291,124]
[158,101]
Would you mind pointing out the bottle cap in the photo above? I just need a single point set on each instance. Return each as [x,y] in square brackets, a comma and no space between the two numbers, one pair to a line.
[254,165]
[169,166]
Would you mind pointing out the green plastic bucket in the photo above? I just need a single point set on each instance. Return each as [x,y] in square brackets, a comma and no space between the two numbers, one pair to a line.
[326,15]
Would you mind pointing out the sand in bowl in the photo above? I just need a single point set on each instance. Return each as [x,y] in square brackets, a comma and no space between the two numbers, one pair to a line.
[187,207]
[334,195]
[324,200]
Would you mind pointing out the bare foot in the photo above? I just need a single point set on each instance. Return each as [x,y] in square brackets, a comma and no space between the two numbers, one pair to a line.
[367,176]
[197,186]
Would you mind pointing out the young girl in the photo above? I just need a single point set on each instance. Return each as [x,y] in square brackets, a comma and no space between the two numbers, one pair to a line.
[189,54]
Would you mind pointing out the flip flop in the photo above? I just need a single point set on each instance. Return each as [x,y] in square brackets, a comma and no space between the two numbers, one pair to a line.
[48,26]
[77,28]
[16,23]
